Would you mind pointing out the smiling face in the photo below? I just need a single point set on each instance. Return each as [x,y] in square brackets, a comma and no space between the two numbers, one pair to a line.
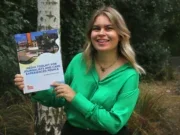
[103,35]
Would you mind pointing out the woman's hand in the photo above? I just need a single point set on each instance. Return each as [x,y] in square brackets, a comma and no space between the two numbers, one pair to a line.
[64,90]
[19,81]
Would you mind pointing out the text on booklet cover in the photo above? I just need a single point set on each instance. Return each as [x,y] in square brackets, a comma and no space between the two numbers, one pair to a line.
[40,61]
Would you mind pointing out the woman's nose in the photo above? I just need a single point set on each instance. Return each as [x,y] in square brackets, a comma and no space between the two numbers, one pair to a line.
[102,32]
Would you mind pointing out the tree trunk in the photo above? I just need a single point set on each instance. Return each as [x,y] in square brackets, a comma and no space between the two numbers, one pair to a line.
[48,121]
[48,14]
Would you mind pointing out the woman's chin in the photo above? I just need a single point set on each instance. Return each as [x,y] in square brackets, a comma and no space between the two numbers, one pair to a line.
[104,50]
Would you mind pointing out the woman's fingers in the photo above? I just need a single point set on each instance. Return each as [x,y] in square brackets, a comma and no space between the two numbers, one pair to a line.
[59,91]
[55,84]
[18,76]
[60,95]
[19,83]
[59,87]
[18,80]
[21,87]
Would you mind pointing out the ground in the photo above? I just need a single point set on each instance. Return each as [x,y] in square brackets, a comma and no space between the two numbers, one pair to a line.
[172,104]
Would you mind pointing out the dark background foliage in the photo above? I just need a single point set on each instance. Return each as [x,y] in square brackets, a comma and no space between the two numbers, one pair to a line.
[15,17]
[148,21]
[154,27]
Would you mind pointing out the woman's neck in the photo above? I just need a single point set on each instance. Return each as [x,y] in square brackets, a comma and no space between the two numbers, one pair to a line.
[106,58]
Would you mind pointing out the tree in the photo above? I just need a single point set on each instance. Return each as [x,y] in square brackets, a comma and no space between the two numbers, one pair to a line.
[172,30]
[48,121]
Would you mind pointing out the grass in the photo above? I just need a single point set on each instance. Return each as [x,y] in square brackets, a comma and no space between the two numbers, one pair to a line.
[16,119]
[148,112]
[156,112]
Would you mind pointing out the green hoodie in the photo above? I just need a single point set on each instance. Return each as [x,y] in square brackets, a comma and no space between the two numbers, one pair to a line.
[105,104]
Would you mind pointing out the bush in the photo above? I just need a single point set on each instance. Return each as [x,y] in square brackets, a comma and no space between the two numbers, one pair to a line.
[147,117]
[17,118]
[13,20]
[155,59]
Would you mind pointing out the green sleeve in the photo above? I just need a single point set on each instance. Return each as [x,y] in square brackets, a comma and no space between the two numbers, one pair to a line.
[117,117]
[48,98]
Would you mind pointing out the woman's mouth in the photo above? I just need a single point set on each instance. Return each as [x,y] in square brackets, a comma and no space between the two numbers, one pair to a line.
[102,41]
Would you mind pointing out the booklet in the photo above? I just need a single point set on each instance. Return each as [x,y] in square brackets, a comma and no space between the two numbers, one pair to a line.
[40,60]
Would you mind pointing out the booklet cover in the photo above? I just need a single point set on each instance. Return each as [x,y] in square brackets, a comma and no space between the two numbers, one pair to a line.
[40,61]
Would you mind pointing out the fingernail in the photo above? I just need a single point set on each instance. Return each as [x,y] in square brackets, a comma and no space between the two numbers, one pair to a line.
[59,81]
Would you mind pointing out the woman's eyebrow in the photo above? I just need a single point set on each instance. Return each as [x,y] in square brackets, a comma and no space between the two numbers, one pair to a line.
[109,25]
[106,25]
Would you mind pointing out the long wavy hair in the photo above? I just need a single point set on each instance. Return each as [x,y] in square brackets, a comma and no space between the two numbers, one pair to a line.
[124,48]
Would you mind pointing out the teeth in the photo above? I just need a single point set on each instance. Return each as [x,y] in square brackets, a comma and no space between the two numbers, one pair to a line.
[102,41]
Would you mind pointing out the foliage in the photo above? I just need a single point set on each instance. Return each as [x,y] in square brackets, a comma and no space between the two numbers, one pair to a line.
[13,20]
[17,118]
[154,61]
[172,30]
[147,117]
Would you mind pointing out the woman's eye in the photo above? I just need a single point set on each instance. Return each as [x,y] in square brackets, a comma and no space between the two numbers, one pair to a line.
[109,28]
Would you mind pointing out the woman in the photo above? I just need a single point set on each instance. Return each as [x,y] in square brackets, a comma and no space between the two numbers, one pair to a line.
[101,83]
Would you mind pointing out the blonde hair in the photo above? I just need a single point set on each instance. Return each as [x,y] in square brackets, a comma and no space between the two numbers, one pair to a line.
[124,47]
